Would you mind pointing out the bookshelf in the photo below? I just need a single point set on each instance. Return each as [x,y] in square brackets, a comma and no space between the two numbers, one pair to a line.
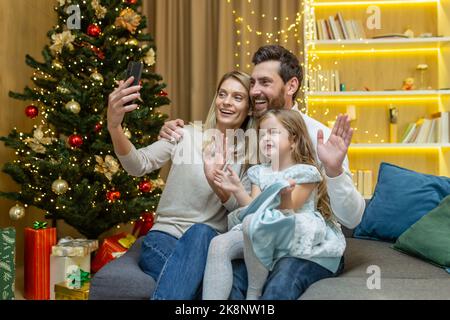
[373,70]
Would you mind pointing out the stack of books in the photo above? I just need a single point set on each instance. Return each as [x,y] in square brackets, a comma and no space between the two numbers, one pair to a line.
[324,81]
[336,28]
[362,179]
[435,129]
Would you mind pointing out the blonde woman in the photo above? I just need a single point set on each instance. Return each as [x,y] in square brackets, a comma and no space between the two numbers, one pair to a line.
[192,209]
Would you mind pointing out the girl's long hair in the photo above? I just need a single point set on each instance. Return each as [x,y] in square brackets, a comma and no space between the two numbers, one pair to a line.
[304,152]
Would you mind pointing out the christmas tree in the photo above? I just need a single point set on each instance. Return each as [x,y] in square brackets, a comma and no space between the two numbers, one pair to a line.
[66,166]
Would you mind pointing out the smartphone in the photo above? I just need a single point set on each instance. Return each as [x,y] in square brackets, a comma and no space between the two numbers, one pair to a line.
[134,70]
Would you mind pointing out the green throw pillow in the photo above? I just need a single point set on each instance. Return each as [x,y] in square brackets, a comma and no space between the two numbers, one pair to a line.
[429,238]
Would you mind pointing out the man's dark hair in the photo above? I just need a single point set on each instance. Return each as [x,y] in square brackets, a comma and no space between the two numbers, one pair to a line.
[290,66]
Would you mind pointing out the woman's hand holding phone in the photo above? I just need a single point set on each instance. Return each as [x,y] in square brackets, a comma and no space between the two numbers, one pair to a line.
[118,100]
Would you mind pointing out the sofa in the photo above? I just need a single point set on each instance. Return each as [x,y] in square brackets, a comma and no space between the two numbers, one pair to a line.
[401,276]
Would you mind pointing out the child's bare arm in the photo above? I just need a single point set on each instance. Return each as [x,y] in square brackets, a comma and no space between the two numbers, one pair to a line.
[294,197]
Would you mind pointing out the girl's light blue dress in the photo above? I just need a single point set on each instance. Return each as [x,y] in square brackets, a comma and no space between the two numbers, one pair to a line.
[301,233]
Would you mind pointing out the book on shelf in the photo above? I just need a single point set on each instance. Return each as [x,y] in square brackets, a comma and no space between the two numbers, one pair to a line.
[337,28]
[363,181]
[435,129]
[324,81]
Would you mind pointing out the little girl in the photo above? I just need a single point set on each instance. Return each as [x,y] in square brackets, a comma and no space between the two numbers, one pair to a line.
[287,213]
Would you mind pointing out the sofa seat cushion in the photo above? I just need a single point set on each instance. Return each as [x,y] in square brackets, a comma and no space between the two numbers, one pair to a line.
[360,254]
[345,288]
[122,279]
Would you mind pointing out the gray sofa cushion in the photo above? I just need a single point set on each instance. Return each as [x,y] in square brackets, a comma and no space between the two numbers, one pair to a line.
[122,278]
[343,288]
[361,254]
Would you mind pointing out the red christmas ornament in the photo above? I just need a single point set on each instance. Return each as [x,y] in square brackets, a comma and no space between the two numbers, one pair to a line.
[31,111]
[131,1]
[94,30]
[98,127]
[143,225]
[113,195]
[145,186]
[163,94]
[75,141]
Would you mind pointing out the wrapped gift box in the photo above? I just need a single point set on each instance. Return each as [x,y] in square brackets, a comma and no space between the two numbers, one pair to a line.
[59,267]
[38,246]
[143,225]
[62,292]
[7,263]
[68,247]
[110,249]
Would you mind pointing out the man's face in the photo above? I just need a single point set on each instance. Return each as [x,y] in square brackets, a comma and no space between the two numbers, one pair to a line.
[267,87]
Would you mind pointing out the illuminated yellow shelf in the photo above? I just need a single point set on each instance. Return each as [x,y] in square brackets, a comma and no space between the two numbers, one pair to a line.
[318,4]
[378,46]
[400,146]
[378,96]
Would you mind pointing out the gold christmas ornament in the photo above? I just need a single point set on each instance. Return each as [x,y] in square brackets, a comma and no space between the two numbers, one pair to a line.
[60,186]
[132,42]
[17,212]
[127,133]
[38,142]
[97,77]
[108,167]
[73,107]
[128,19]
[57,65]
[62,90]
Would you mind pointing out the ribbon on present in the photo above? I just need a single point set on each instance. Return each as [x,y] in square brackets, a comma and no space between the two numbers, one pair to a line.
[76,277]
[128,241]
[40,225]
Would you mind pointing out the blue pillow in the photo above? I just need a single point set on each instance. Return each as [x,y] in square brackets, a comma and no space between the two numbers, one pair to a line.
[400,199]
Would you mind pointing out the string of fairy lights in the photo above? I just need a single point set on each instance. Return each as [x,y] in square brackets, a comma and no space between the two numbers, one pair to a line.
[299,31]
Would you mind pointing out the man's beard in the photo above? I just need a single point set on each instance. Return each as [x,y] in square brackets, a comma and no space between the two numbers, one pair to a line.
[275,103]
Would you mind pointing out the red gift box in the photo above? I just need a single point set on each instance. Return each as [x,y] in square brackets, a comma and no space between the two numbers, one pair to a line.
[105,254]
[143,225]
[38,247]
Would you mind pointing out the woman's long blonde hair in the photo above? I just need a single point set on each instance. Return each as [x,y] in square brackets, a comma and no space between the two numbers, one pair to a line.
[304,152]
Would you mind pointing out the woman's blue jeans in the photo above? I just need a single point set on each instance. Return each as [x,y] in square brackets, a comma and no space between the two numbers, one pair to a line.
[177,265]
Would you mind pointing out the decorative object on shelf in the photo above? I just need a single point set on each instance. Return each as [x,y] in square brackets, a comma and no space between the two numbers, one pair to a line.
[7,268]
[409,33]
[393,120]
[408,84]
[38,246]
[422,68]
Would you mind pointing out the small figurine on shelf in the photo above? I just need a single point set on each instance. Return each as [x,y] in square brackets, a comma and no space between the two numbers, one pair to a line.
[393,119]
[422,68]
[409,33]
[408,84]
